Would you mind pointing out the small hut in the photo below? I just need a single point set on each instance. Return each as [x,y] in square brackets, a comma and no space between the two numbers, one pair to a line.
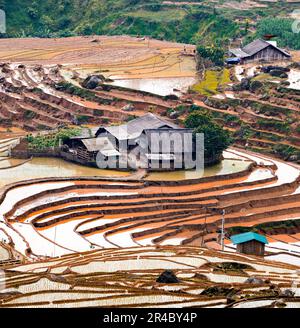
[250,243]
[85,151]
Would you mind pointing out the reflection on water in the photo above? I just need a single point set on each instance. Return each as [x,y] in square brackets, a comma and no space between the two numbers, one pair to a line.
[51,167]
[227,166]
[55,167]
[6,163]
[159,86]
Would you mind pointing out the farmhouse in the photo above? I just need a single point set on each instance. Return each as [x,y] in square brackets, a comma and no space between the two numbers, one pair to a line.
[259,50]
[250,243]
[145,142]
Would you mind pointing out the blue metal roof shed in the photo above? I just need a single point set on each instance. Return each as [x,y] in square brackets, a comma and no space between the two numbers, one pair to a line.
[234,60]
[248,236]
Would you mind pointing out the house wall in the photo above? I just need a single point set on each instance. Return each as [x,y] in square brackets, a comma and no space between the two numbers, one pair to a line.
[252,247]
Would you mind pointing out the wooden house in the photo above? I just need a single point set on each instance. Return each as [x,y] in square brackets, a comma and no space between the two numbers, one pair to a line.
[259,50]
[250,243]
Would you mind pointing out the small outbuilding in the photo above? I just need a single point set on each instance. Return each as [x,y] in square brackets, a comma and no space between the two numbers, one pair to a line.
[233,60]
[250,243]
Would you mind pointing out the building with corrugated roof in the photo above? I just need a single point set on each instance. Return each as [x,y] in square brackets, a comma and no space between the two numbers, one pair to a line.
[260,50]
[250,243]
[147,142]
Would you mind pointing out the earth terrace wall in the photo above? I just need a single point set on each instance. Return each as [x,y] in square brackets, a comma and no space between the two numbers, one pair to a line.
[17,165]
[242,173]
[241,194]
[211,227]
[68,188]
[73,108]
[77,259]
[110,87]
[253,217]
[161,206]
[104,198]
[100,212]
[197,207]
[263,202]
[141,184]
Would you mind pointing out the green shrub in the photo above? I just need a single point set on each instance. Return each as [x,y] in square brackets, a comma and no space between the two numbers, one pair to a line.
[216,139]
[42,142]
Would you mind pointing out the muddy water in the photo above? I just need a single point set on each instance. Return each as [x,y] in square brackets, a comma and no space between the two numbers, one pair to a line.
[11,162]
[54,167]
[159,86]
[227,166]
[51,167]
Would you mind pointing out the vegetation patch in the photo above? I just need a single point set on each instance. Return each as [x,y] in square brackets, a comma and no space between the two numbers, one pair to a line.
[282,28]
[167,15]
[80,92]
[42,142]
[213,81]
[275,125]
[272,228]
[216,139]
[219,291]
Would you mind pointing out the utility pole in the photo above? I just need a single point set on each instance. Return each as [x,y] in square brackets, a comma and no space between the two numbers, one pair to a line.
[54,240]
[222,232]
[202,242]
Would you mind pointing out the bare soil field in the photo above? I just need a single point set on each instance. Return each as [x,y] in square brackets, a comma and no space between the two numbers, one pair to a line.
[242,5]
[90,50]
[116,57]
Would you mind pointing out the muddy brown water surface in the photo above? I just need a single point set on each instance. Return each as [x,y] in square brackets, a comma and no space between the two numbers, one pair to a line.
[54,167]
[227,166]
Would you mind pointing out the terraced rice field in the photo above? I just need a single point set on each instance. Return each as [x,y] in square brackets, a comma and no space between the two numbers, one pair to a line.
[127,278]
[62,216]
[30,101]
[74,236]
[126,60]
[265,120]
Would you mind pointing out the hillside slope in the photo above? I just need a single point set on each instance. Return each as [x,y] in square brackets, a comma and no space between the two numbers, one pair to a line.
[159,19]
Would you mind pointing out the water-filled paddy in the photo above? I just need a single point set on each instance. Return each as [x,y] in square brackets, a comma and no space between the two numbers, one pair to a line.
[54,167]
[227,166]
[51,167]
[161,86]
[10,162]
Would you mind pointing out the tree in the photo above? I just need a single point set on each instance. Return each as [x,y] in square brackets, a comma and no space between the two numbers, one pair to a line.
[196,119]
[213,53]
[216,139]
